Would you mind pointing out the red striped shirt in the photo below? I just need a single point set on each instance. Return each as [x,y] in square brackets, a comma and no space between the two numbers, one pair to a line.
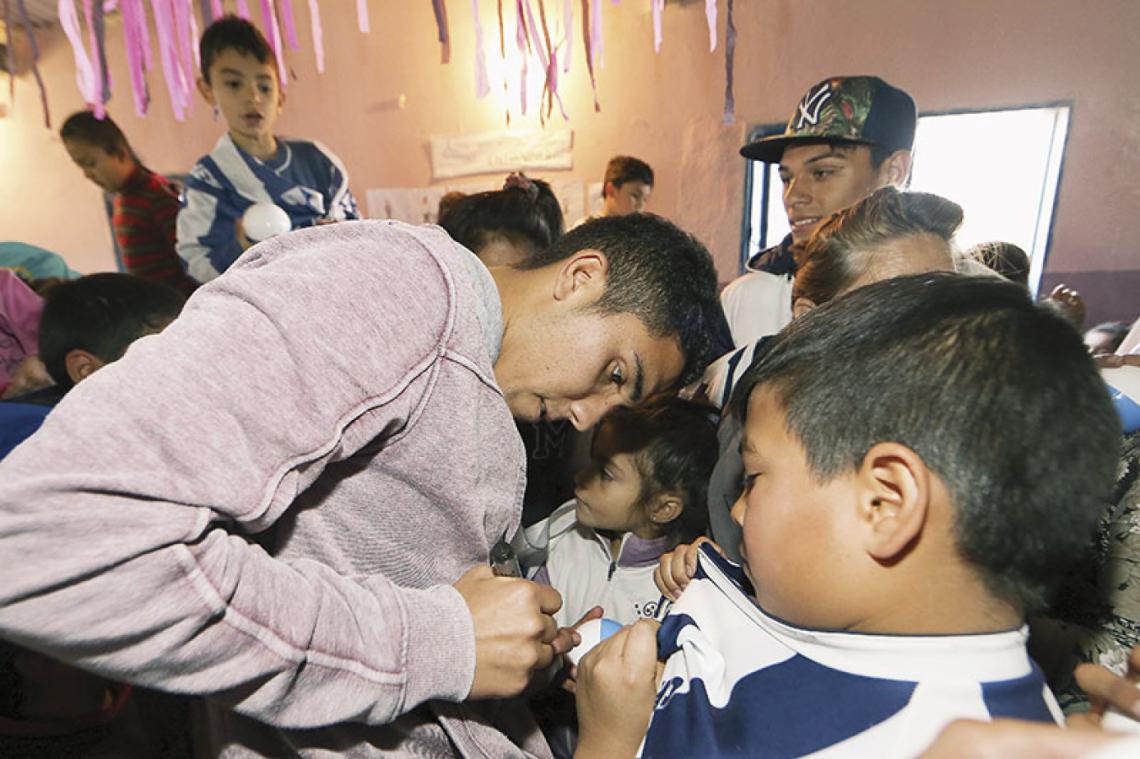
[145,212]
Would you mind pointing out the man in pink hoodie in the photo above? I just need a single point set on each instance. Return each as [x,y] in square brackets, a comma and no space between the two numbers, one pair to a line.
[285,501]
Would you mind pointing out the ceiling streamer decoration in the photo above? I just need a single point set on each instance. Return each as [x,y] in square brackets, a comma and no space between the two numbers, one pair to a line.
[31,33]
[540,38]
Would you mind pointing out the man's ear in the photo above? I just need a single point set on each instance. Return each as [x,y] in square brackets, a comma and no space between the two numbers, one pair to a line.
[205,91]
[896,169]
[894,500]
[81,364]
[582,275]
[608,190]
[801,306]
[665,507]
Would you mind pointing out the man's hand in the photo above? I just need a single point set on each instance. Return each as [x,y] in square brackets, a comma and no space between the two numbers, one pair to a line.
[617,683]
[677,567]
[514,630]
[30,374]
[1106,689]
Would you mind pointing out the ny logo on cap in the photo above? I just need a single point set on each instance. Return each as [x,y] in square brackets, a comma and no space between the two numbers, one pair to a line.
[812,104]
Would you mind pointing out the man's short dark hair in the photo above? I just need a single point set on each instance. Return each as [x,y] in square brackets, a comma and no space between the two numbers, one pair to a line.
[998,396]
[101,314]
[624,168]
[658,273]
[673,445]
[233,33]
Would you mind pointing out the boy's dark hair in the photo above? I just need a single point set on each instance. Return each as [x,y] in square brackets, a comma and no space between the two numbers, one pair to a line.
[658,273]
[625,168]
[526,213]
[233,33]
[998,396]
[104,133]
[838,253]
[673,445]
[1005,258]
[101,314]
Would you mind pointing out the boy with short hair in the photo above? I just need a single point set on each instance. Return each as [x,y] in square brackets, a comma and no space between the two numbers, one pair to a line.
[86,324]
[250,164]
[626,188]
[897,531]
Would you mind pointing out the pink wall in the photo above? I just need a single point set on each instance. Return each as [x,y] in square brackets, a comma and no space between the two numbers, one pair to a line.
[665,108]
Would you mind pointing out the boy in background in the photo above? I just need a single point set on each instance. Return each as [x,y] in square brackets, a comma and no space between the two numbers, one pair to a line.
[626,188]
[897,530]
[250,164]
[87,323]
[145,204]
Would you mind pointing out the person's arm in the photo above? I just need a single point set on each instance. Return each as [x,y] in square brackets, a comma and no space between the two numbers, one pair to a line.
[207,231]
[112,556]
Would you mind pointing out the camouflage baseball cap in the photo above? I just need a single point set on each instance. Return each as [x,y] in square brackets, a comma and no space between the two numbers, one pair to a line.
[854,109]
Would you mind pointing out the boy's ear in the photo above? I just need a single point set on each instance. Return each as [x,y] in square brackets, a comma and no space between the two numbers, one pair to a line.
[582,275]
[801,306]
[665,507]
[608,189]
[894,500]
[81,364]
[205,91]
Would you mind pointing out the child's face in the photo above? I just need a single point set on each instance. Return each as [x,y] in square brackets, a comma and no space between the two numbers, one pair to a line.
[630,197]
[107,170]
[609,489]
[246,92]
[800,539]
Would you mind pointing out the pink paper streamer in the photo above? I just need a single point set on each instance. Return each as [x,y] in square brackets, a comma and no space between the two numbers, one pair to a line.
[269,16]
[97,63]
[482,85]
[657,7]
[318,35]
[136,57]
[567,33]
[362,16]
[194,52]
[176,84]
[549,63]
[587,25]
[31,34]
[710,14]
[219,11]
[524,53]
[84,70]
[183,14]
[285,7]
[10,53]
[596,33]
[243,9]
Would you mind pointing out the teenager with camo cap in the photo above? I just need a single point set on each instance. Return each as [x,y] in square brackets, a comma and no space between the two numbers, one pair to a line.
[847,137]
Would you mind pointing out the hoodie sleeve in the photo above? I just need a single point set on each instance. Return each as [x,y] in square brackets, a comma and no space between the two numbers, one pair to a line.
[110,517]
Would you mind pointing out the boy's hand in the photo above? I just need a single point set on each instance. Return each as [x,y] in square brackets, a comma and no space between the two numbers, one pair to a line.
[617,684]
[514,630]
[1105,689]
[677,567]
[967,739]
[571,682]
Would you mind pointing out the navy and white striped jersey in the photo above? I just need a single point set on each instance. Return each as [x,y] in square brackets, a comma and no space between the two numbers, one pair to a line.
[738,682]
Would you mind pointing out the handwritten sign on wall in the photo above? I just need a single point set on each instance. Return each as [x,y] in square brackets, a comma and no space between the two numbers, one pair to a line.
[501,152]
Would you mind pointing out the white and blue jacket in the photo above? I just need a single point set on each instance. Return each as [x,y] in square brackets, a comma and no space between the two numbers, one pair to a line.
[305,179]
[738,682]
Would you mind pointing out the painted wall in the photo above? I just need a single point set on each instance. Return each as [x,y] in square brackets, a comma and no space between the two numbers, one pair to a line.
[664,108]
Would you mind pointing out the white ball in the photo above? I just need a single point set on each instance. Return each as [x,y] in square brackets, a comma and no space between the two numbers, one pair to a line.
[264,220]
[592,633]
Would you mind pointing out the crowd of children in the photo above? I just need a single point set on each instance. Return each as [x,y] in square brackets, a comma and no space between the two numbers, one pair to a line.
[828,507]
